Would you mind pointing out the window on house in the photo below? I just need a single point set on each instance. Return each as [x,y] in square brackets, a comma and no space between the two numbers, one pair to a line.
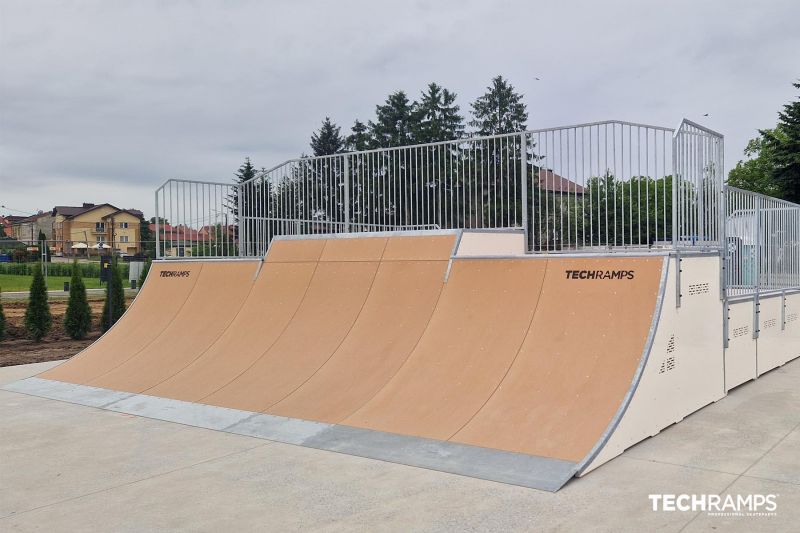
[100,238]
[123,238]
[99,226]
[123,225]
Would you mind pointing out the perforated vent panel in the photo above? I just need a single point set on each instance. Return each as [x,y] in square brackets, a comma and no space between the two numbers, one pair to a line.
[669,362]
[698,288]
[741,331]
[791,317]
[771,323]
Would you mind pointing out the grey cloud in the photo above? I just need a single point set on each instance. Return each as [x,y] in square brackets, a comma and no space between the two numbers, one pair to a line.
[103,100]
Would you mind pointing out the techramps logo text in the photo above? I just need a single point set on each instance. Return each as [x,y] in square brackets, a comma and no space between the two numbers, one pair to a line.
[600,274]
[750,505]
[174,273]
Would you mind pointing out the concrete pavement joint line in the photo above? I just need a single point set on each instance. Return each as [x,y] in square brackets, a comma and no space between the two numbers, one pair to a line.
[135,481]
[530,471]
[693,467]
[795,428]
[784,481]
[739,476]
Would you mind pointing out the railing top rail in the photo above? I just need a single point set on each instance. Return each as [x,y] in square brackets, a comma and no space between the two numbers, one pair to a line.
[693,124]
[761,195]
[460,141]
[184,180]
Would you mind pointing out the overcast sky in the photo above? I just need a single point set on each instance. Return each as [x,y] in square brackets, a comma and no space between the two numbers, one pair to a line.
[102,101]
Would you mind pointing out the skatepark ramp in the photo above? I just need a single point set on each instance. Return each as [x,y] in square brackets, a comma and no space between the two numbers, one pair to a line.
[447,350]
[519,308]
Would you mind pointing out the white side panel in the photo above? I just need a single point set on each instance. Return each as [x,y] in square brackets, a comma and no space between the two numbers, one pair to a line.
[779,338]
[740,356]
[482,243]
[684,370]
[792,324]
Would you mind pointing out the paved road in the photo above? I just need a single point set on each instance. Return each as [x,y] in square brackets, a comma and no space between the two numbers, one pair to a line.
[66,467]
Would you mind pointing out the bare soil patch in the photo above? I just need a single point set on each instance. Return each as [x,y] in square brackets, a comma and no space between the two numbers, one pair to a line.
[18,349]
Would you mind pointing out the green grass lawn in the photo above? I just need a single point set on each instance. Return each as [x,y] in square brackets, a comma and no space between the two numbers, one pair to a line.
[12,283]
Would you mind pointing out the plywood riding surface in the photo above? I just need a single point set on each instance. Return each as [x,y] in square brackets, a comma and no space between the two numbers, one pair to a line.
[393,334]
[162,297]
[577,362]
[473,336]
[217,296]
[394,317]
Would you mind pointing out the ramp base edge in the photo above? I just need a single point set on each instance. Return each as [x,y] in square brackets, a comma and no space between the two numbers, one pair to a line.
[543,473]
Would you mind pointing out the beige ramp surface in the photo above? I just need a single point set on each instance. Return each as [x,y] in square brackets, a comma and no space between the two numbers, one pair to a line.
[219,293]
[577,362]
[479,324]
[276,295]
[395,315]
[334,299]
[158,302]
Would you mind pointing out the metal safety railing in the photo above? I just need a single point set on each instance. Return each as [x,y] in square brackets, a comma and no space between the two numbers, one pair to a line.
[598,187]
[763,243]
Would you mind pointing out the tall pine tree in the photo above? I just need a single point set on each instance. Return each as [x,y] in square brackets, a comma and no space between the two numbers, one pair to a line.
[38,320]
[500,110]
[78,318]
[328,139]
[246,172]
[359,139]
[784,142]
[2,317]
[435,117]
[115,298]
[393,122]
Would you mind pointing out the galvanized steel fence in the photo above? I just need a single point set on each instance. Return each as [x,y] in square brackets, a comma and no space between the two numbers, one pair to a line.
[763,243]
[598,187]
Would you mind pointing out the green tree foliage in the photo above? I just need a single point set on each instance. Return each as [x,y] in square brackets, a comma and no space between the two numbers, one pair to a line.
[251,209]
[146,270]
[2,318]
[784,142]
[38,320]
[148,244]
[393,122]
[359,139]
[435,117]
[624,213]
[115,298]
[755,173]
[42,243]
[328,139]
[78,317]
[500,110]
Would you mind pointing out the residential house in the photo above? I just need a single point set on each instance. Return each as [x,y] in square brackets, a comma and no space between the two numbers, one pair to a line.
[90,224]
[551,182]
[7,225]
[27,229]
[178,241]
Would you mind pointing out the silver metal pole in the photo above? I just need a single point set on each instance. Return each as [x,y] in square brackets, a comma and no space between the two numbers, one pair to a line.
[346,193]
[523,157]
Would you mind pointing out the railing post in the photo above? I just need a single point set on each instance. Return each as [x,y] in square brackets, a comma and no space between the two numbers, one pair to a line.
[523,158]
[757,262]
[241,236]
[158,244]
[346,193]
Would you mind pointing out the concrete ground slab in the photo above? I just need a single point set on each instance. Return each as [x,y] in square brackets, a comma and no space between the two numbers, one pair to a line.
[66,467]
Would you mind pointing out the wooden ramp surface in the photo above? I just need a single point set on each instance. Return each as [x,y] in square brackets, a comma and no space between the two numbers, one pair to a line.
[394,336]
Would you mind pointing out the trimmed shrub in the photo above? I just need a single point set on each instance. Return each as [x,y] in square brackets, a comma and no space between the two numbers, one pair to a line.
[2,318]
[37,317]
[143,273]
[78,318]
[115,298]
